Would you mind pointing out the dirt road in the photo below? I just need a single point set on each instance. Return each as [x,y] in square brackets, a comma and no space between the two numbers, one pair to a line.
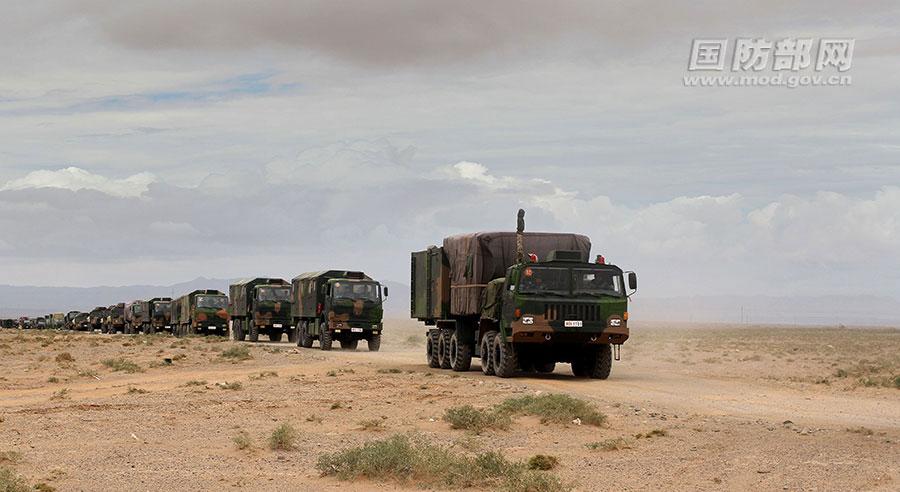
[732,409]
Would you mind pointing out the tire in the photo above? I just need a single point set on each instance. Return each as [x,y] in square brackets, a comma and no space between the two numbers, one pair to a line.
[580,367]
[503,358]
[444,349]
[325,339]
[349,344]
[254,331]
[431,349]
[127,330]
[275,335]
[305,340]
[545,367]
[375,343]
[602,363]
[145,329]
[293,334]
[237,330]
[151,330]
[460,353]
[487,346]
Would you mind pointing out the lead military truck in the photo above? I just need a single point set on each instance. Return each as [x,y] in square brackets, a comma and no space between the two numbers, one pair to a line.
[338,305]
[485,297]
[203,311]
[261,305]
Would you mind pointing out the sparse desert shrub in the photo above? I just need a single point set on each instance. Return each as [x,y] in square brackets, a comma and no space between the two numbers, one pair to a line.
[652,433]
[53,379]
[414,461]
[11,482]
[243,441]
[263,375]
[283,438]
[372,425]
[559,409]
[616,444]
[194,382]
[64,358]
[392,370]
[11,457]
[314,418]
[542,462]
[136,391]
[44,487]
[331,374]
[233,386]
[122,364]
[61,394]
[469,418]
[862,430]
[236,353]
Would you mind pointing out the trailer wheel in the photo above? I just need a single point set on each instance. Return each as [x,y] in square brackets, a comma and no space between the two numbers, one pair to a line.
[444,349]
[487,344]
[460,353]
[254,331]
[349,344]
[374,343]
[293,334]
[305,339]
[326,337]
[503,357]
[431,348]
[274,335]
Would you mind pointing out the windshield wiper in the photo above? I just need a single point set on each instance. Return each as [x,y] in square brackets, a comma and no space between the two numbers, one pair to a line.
[597,294]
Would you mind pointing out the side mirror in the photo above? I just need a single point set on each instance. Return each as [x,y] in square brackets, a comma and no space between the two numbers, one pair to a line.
[385,291]
[632,281]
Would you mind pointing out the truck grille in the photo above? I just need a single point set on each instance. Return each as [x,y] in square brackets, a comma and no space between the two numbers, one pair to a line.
[584,312]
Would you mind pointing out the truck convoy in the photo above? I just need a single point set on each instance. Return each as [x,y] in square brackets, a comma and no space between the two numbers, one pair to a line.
[337,305]
[520,302]
[260,306]
[200,312]
[160,314]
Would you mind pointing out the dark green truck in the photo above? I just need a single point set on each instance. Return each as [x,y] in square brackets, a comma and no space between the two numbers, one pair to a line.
[261,306]
[201,312]
[520,302]
[340,305]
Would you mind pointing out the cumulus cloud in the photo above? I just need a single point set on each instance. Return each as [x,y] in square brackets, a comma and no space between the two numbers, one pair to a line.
[74,179]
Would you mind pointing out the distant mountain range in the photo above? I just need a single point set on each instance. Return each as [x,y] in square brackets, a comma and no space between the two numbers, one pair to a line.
[797,310]
[18,301]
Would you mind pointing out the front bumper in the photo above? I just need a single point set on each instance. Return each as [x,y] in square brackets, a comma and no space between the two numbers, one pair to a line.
[541,330]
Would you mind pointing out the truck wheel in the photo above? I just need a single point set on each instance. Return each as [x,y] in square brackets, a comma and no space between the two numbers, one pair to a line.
[306,340]
[487,342]
[444,349]
[545,367]
[581,366]
[503,358]
[602,363]
[254,331]
[325,339]
[127,330]
[374,343]
[239,334]
[431,348]
[151,330]
[292,334]
[275,335]
[145,329]
[349,344]
[460,353]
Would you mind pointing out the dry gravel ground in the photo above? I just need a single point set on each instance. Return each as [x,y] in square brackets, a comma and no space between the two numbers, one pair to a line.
[741,407]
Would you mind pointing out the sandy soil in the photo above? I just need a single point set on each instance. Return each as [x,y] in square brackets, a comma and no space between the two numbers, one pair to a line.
[743,407]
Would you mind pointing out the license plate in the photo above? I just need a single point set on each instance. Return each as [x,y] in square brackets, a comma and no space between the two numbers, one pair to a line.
[277,325]
[356,330]
[569,323]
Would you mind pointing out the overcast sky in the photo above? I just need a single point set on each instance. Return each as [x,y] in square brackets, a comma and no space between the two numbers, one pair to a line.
[156,141]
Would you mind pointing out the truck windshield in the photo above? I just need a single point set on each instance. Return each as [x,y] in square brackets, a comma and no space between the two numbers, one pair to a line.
[212,302]
[281,294]
[536,280]
[162,307]
[597,282]
[356,290]
[137,309]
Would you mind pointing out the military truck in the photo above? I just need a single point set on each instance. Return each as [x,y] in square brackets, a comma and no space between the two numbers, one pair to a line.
[69,321]
[261,306]
[81,322]
[485,297]
[97,316]
[115,320]
[57,320]
[160,314]
[137,317]
[202,311]
[8,323]
[337,305]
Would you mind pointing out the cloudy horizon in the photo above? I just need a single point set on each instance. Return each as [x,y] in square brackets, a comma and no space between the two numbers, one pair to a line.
[156,142]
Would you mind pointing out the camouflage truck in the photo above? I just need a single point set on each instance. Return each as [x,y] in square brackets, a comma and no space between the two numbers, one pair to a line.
[485,297]
[97,317]
[115,319]
[337,305]
[261,305]
[81,322]
[200,312]
[57,320]
[69,322]
[137,317]
[8,323]
[161,314]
